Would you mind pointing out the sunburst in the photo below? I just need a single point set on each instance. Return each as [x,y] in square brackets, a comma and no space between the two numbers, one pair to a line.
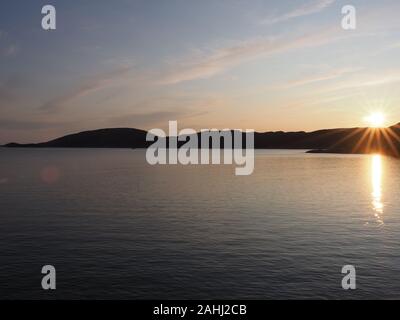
[375,120]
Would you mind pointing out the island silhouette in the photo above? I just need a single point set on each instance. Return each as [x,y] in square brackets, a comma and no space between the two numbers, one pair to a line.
[343,140]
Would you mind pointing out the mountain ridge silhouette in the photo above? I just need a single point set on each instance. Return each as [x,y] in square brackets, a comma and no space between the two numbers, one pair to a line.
[341,140]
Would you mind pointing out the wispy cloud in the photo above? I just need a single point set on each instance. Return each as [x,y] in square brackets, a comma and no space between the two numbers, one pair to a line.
[159,110]
[367,80]
[317,77]
[96,83]
[9,89]
[303,10]
[223,59]
[8,48]
[27,125]
[142,120]
[6,94]
[10,51]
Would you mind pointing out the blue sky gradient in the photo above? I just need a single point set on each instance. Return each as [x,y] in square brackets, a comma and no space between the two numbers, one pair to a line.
[248,64]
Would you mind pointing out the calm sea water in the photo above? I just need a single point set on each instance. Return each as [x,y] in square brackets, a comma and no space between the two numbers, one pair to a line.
[116,227]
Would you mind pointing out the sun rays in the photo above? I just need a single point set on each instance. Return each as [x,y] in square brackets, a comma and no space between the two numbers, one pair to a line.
[374,139]
[378,141]
[366,140]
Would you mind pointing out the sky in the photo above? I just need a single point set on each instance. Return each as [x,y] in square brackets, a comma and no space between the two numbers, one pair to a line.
[238,64]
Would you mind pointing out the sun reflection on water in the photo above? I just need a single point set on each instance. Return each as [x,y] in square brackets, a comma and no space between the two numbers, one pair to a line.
[377,203]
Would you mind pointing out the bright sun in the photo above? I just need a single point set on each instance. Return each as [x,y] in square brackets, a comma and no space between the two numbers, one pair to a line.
[376,120]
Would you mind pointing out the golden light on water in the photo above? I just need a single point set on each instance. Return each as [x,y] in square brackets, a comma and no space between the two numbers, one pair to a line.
[375,120]
[376,173]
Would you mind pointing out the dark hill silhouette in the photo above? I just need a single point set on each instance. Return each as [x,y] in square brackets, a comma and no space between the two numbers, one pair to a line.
[351,140]
[102,138]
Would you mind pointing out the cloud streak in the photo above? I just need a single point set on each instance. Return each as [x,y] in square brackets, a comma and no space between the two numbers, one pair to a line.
[10,50]
[142,120]
[316,78]
[28,125]
[304,10]
[226,58]
[95,84]
[9,89]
